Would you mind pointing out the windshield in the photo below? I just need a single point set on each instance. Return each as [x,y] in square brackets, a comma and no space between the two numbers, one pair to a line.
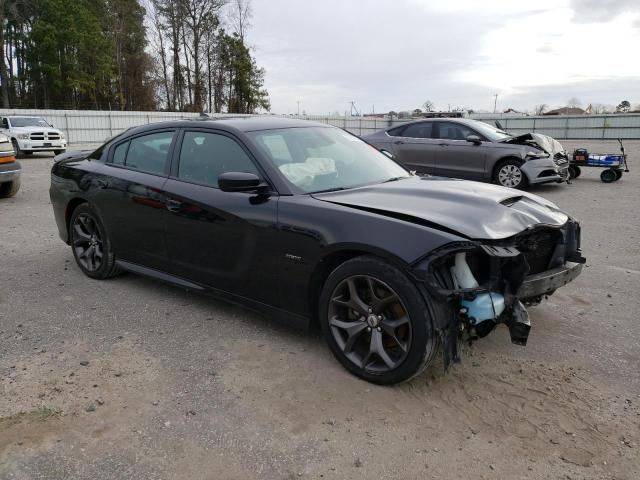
[28,122]
[491,133]
[316,159]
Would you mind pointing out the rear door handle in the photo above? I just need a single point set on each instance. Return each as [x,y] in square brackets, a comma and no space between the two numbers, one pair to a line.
[174,205]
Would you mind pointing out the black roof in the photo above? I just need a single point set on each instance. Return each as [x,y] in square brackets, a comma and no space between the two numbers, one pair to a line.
[240,124]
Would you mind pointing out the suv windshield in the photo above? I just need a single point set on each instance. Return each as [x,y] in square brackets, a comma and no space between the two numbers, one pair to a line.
[28,122]
[316,159]
[490,133]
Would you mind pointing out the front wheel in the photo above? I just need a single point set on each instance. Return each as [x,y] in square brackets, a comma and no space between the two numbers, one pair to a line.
[376,322]
[58,152]
[90,244]
[618,174]
[509,173]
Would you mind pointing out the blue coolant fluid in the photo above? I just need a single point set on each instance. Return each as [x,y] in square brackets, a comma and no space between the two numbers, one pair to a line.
[486,306]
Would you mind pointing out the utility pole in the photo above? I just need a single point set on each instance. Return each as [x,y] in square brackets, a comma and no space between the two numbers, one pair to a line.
[298,102]
[495,102]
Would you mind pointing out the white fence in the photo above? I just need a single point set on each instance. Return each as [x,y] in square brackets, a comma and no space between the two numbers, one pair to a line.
[593,127]
[94,127]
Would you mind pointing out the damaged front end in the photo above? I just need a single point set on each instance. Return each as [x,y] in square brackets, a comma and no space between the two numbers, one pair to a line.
[474,286]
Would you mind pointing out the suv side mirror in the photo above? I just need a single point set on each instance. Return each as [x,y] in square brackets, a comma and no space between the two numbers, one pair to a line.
[239,182]
[475,139]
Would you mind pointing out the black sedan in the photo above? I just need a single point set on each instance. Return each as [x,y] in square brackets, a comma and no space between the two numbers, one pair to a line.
[310,225]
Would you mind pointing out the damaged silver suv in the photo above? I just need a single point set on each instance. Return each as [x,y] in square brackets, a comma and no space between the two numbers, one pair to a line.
[473,150]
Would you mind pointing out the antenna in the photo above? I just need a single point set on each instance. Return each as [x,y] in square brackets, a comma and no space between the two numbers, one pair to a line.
[354,109]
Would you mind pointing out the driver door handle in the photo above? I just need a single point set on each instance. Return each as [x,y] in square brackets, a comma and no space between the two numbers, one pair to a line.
[174,205]
[399,142]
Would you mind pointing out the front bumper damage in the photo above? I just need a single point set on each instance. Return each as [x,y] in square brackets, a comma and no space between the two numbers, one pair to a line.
[507,275]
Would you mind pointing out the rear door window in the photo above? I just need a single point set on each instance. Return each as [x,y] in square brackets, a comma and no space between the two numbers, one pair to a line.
[418,130]
[148,153]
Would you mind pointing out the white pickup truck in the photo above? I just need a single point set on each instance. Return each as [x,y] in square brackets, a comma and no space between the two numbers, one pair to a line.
[33,134]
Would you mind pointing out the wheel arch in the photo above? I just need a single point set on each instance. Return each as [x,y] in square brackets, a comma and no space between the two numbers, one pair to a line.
[501,161]
[333,260]
[71,206]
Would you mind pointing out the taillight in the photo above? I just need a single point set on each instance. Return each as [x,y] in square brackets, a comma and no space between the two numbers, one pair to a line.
[9,159]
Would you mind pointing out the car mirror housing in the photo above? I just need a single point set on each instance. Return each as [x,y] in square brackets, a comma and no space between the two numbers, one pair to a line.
[239,182]
[474,139]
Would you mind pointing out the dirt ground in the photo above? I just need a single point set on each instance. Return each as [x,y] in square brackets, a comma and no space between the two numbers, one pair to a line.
[130,378]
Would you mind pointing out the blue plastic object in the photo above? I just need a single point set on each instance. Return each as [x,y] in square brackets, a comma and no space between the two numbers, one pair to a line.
[486,306]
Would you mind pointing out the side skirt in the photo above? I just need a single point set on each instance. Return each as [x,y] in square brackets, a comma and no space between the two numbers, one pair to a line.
[293,320]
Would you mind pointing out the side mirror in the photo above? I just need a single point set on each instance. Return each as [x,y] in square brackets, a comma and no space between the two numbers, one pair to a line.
[239,182]
[474,139]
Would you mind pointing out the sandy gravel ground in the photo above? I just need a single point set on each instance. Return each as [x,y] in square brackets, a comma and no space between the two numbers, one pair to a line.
[130,378]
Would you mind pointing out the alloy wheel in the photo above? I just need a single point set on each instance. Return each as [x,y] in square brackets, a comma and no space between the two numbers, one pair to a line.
[87,242]
[369,323]
[510,175]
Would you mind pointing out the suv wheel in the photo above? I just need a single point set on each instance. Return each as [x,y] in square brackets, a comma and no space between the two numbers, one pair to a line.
[376,322]
[16,148]
[509,173]
[9,189]
[90,245]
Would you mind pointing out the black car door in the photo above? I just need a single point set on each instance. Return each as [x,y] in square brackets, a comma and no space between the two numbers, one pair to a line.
[130,200]
[225,240]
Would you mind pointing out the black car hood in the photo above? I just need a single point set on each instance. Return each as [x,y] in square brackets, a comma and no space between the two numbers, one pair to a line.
[474,210]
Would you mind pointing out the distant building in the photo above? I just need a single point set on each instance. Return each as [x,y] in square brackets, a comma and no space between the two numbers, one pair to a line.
[565,111]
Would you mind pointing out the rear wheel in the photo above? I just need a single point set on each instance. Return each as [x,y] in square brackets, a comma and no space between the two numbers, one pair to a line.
[90,244]
[58,152]
[608,176]
[375,321]
[509,173]
[9,189]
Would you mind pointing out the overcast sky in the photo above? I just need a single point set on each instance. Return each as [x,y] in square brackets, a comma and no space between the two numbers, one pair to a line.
[395,54]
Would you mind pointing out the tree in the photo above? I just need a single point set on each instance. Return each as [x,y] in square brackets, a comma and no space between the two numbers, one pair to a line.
[574,102]
[599,108]
[623,107]
[240,16]
[540,109]
[428,106]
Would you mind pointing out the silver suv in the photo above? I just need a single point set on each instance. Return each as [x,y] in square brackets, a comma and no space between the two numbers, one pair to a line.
[463,148]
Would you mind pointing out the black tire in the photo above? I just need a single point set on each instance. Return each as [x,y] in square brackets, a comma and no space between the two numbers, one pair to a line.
[578,171]
[618,174]
[26,153]
[9,189]
[574,172]
[408,340]
[508,173]
[16,148]
[58,152]
[608,175]
[90,244]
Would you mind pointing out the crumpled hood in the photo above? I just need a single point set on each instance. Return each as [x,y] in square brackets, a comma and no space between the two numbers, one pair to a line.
[544,142]
[471,209]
